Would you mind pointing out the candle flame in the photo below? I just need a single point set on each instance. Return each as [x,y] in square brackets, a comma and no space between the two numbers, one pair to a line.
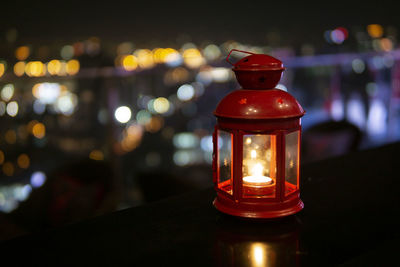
[256,175]
[257,170]
[253,154]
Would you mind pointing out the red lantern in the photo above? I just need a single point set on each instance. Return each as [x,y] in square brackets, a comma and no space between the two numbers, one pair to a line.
[256,158]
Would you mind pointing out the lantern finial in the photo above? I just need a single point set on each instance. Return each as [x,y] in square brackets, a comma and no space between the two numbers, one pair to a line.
[257,71]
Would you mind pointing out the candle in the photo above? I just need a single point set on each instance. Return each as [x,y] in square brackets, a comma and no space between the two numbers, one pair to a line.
[256,176]
[257,180]
[256,183]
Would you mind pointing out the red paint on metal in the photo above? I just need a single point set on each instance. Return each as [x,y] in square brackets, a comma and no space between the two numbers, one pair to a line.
[257,108]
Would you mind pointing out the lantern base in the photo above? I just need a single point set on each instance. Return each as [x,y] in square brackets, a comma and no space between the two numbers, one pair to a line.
[258,210]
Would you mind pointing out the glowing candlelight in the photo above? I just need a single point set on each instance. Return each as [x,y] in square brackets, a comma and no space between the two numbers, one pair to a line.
[256,176]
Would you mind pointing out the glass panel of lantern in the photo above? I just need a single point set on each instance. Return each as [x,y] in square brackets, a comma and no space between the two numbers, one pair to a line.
[259,166]
[292,162]
[225,161]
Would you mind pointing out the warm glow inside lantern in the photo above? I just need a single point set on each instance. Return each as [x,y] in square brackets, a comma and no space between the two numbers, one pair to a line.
[257,143]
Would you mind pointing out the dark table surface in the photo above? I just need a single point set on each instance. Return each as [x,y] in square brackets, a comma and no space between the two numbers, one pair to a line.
[351,218]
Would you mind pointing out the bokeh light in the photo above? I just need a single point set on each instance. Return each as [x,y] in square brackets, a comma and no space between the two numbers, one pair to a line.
[386,44]
[212,52]
[23,161]
[358,65]
[185,92]
[375,30]
[47,93]
[129,62]
[144,58]
[155,124]
[123,114]
[66,103]
[35,69]
[72,67]
[67,52]
[12,108]
[22,52]
[172,58]
[143,117]
[161,105]
[39,107]
[38,178]
[96,155]
[7,92]
[185,140]
[193,58]
[2,68]
[39,130]
[54,67]
[19,68]
[8,168]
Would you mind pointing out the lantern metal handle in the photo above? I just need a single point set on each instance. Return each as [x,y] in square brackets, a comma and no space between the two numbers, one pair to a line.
[245,52]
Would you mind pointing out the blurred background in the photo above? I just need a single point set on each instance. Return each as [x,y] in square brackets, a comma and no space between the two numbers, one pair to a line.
[105,106]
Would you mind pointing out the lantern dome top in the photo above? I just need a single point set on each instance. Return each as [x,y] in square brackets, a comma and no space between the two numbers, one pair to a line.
[257,71]
[258,62]
[259,104]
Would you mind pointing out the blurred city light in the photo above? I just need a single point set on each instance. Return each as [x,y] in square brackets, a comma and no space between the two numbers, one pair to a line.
[144,58]
[212,52]
[129,62]
[39,107]
[54,67]
[193,58]
[2,69]
[96,155]
[377,118]
[143,117]
[185,92]
[35,69]
[7,92]
[39,130]
[220,75]
[23,161]
[22,192]
[47,93]
[38,178]
[187,157]
[386,44]
[338,35]
[155,124]
[185,140]
[66,103]
[375,30]
[356,112]
[123,114]
[161,105]
[19,68]
[8,168]
[358,65]
[72,67]
[22,52]
[67,52]
[12,108]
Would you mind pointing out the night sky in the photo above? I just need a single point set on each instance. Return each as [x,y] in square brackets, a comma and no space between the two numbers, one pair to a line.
[165,21]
